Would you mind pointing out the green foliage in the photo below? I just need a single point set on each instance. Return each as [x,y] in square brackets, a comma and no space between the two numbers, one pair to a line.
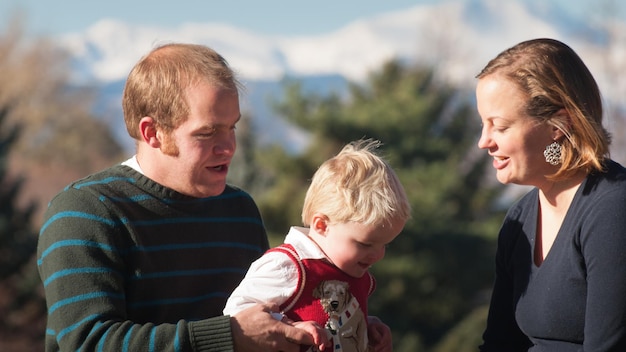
[438,269]
[18,242]
[467,334]
[48,137]
[22,305]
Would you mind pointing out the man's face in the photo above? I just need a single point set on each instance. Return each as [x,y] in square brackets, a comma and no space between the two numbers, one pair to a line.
[197,154]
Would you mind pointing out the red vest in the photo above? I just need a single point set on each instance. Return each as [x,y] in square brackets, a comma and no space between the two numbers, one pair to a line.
[321,284]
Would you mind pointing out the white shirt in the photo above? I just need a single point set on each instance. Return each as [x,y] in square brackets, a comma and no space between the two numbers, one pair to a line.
[132,162]
[273,278]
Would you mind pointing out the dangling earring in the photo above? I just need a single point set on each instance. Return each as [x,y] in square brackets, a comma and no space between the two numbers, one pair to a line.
[553,153]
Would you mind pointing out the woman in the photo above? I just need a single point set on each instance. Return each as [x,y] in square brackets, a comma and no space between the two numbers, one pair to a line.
[561,260]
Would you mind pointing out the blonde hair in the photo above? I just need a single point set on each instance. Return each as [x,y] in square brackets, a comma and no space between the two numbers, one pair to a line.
[157,85]
[553,77]
[356,185]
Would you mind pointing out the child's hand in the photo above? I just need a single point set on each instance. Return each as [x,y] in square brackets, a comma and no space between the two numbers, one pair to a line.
[320,335]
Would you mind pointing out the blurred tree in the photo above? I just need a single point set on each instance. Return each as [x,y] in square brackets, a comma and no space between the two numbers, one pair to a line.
[48,137]
[61,137]
[17,239]
[20,303]
[467,334]
[439,268]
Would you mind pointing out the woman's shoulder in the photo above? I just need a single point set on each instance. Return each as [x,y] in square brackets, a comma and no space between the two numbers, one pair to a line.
[612,179]
[615,171]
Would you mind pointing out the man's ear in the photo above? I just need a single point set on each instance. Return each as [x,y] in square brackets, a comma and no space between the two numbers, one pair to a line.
[319,224]
[149,132]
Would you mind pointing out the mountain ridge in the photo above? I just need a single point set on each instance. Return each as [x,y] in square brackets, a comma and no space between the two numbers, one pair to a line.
[455,37]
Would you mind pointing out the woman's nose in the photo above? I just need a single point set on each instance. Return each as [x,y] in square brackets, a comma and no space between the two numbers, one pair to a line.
[484,141]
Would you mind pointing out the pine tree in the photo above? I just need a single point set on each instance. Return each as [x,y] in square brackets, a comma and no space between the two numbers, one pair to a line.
[18,242]
[22,307]
[436,272]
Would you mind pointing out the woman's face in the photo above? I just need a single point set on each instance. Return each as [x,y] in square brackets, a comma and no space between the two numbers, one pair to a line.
[514,140]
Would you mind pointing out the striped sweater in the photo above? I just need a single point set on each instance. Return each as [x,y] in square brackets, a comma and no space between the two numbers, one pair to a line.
[130,265]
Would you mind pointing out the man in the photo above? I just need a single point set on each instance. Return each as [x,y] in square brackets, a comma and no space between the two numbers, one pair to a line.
[142,256]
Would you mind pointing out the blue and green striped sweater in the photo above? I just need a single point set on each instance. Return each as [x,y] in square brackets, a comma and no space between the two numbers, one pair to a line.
[130,265]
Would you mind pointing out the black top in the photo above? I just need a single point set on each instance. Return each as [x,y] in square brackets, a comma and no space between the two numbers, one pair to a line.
[576,299]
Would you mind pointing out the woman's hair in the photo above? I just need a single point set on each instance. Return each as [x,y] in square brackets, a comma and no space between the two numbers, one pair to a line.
[158,83]
[356,185]
[553,77]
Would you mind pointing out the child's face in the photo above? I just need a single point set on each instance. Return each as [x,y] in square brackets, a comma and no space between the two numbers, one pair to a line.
[354,247]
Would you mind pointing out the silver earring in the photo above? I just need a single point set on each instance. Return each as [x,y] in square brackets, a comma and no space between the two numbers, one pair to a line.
[553,153]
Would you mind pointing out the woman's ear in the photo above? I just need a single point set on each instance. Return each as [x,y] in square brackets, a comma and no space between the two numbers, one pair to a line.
[149,132]
[562,125]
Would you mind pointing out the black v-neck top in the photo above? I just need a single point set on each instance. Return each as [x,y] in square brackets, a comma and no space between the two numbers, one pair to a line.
[576,299]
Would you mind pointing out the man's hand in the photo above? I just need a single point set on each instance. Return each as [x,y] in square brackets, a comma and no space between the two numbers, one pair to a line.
[254,329]
[379,335]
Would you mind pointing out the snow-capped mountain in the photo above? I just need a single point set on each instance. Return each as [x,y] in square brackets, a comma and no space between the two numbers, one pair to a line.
[456,37]
[449,33]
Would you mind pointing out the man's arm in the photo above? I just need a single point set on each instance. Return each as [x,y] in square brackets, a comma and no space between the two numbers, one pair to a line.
[82,265]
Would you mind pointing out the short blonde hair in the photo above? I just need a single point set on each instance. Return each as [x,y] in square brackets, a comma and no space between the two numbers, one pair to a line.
[356,185]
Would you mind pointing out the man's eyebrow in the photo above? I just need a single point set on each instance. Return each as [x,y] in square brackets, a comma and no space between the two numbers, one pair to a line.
[225,125]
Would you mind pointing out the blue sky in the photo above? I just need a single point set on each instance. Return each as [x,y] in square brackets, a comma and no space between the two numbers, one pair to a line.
[267,16]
